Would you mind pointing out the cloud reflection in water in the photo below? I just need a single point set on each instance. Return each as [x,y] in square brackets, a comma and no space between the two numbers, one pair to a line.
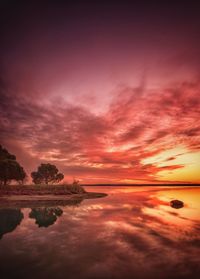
[132,233]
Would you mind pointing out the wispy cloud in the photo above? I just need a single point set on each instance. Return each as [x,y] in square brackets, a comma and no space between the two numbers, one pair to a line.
[139,124]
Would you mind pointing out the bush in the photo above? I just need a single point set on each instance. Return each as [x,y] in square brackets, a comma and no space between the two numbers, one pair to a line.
[76,188]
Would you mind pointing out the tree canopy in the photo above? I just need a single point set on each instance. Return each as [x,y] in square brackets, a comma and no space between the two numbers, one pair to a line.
[46,173]
[10,169]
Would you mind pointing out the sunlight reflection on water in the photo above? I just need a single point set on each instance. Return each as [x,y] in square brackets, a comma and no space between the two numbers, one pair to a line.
[131,233]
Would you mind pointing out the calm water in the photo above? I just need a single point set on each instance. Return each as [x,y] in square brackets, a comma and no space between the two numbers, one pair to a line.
[131,233]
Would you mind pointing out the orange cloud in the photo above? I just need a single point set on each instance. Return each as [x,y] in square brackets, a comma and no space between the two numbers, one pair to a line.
[113,146]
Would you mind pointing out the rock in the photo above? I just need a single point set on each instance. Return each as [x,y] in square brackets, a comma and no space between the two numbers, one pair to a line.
[176,204]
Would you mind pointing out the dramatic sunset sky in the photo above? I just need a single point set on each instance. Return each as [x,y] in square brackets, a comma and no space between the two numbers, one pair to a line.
[107,91]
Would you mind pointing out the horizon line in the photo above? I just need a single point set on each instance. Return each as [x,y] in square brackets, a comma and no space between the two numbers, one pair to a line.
[139,184]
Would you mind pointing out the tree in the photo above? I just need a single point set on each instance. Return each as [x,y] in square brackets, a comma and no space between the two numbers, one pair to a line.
[10,169]
[20,174]
[46,173]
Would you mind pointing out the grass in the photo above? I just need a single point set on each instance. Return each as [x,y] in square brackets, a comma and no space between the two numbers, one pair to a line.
[34,196]
[64,189]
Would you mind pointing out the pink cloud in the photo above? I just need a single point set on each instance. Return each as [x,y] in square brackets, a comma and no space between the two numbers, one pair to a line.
[138,124]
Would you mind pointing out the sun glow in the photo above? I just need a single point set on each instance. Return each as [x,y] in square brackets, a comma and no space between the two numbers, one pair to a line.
[161,158]
[188,161]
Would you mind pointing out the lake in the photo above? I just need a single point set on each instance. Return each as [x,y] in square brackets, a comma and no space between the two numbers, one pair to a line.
[131,233]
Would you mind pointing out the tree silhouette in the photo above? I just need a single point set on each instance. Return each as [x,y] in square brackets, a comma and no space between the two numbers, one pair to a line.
[46,173]
[10,169]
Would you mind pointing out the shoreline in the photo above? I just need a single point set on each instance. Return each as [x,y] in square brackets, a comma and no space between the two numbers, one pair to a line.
[141,185]
[22,196]
[48,200]
[41,190]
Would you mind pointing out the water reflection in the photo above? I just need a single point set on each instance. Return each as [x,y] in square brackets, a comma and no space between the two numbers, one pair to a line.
[131,233]
[9,220]
[45,217]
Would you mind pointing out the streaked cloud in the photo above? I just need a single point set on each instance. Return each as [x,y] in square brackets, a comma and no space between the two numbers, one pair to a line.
[126,142]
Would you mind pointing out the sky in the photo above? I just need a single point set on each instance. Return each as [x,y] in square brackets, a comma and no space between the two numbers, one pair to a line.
[108,92]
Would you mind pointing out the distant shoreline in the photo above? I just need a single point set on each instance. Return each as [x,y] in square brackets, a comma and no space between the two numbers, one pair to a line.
[144,184]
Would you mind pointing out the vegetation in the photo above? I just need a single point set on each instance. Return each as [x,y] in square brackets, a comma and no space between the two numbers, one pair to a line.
[75,187]
[46,174]
[41,189]
[10,169]
[44,178]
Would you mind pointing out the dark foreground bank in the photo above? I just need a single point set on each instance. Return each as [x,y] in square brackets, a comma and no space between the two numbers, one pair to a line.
[43,195]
